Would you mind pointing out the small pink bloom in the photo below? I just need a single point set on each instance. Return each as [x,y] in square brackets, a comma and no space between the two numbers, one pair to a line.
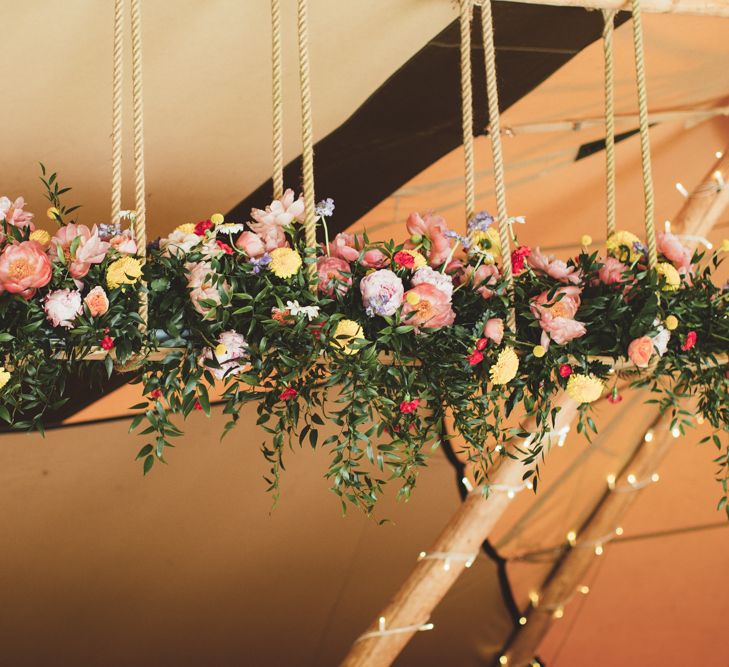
[124,243]
[565,370]
[382,292]
[12,212]
[670,246]
[484,277]
[97,302]
[200,280]
[107,342]
[280,212]
[640,351]
[62,306]
[475,358]
[434,228]
[346,246]
[374,259]
[287,394]
[406,407]
[90,249]
[689,342]
[24,267]
[273,236]
[555,268]
[331,269]
[494,330]
[427,307]
[611,271]
[251,244]
[556,317]
[518,257]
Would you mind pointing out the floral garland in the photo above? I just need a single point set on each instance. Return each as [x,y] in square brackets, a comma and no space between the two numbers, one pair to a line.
[401,335]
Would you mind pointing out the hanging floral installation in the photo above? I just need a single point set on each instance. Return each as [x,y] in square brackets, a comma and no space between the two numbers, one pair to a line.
[382,339]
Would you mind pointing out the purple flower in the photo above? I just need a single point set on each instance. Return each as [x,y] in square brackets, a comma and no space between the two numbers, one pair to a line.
[481,221]
[325,208]
[640,247]
[260,263]
[463,240]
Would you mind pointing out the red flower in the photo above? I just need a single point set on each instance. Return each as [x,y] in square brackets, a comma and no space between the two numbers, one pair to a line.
[288,393]
[406,407]
[155,393]
[107,342]
[404,259]
[476,357]
[224,247]
[203,226]
[518,256]
[614,397]
[198,405]
[565,370]
[690,341]
[481,344]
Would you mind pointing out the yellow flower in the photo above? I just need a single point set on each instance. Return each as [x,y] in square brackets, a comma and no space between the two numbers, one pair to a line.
[539,351]
[53,213]
[4,377]
[187,228]
[217,218]
[41,236]
[621,245]
[671,322]
[285,262]
[413,298]
[671,274]
[346,332]
[586,240]
[724,247]
[504,369]
[124,271]
[584,388]
[488,242]
[220,350]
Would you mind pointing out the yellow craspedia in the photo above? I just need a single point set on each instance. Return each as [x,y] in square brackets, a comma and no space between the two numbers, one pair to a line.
[504,369]
[671,322]
[4,377]
[220,350]
[586,240]
[584,388]
[285,262]
[622,246]
[671,274]
[724,247]
[347,331]
[413,298]
[53,213]
[41,236]
[488,241]
[187,228]
[217,218]
[539,351]
[124,271]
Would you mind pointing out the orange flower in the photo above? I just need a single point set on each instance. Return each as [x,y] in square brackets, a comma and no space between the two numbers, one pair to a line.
[640,351]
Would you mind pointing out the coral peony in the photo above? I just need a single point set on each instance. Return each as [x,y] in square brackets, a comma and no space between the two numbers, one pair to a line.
[555,268]
[640,351]
[97,302]
[435,278]
[482,279]
[24,267]
[346,246]
[374,259]
[62,306]
[434,228]
[556,317]
[12,212]
[87,247]
[251,244]
[273,236]
[200,280]
[281,212]
[673,250]
[335,275]
[382,293]
[494,329]
[611,271]
[123,243]
[426,306]
[179,243]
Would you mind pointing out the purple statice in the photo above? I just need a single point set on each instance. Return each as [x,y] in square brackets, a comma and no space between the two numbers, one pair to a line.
[480,222]
[260,263]
[325,208]
[640,247]
[107,231]
[463,240]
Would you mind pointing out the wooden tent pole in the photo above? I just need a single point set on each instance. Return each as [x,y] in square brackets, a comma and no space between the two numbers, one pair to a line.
[569,571]
[697,7]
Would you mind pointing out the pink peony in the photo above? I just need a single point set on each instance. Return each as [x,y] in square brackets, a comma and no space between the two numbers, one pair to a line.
[555,268]
[670,246]
[484,277]
[273,236]
[556,317]
[251,244]
[611,271]
[62,306]
[331,269]
[12,212]
[382,293]
[230,351]
[427,306]
[494,330]
[90,249]
[640,351]
[346,246]
[124,243]
[434,228]
[179,243]
[280,212]
[374,259]
[427,275]
[97,302]
[200,277]
[24,267]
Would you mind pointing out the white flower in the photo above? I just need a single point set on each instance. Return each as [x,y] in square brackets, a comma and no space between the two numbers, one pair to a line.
[660,341]
[62,307]
[230,227]
[296,309]
[434,278]
[232,347]
[179,243]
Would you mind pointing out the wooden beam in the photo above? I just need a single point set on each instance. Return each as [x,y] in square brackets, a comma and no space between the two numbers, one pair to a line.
[696,7]
[569,571]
